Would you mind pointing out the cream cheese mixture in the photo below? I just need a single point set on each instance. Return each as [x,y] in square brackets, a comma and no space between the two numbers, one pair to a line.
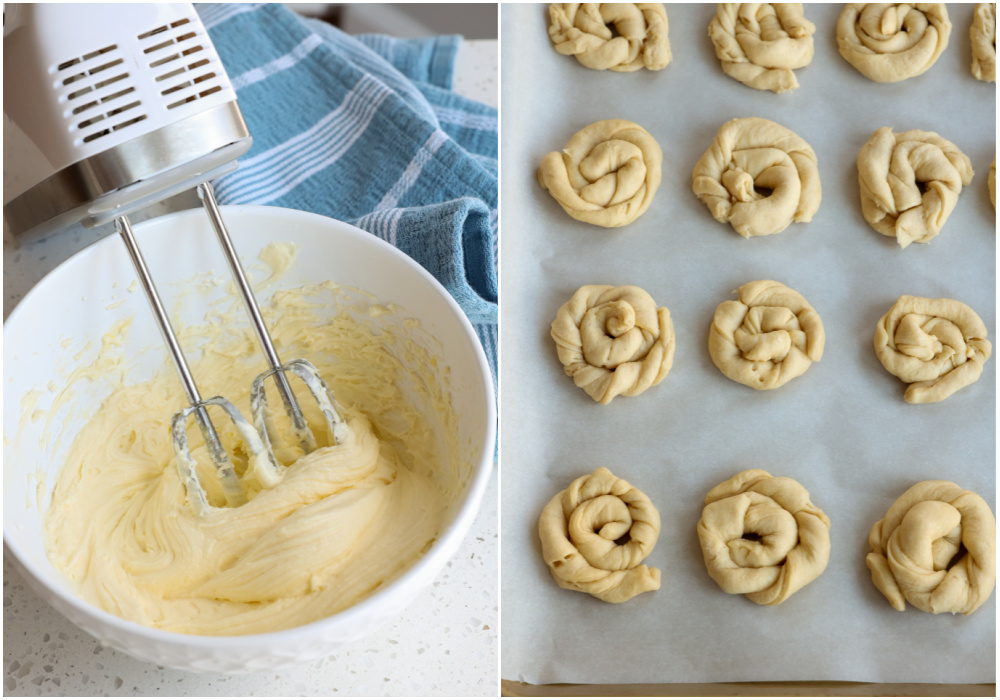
[342,522]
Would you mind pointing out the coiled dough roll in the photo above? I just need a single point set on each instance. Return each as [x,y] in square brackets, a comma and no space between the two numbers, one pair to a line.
[768,337]
[889,42]
[578,529]
[760,43]
[891,170]
[984,42]
[937,346]
[921,533]
[613,340]
[790,543]
[753,154]
[607,174]
[640,39]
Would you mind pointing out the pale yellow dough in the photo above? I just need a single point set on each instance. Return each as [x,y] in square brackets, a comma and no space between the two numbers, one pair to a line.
[983,35]
[937,346]
[891,170]
[992,181]
[342,523]
[760,43]
[768,337]
[607,174]
[749,155]
[912,546]
[792,546]
[614,341]
[889,42]
[578,529]
[639,39]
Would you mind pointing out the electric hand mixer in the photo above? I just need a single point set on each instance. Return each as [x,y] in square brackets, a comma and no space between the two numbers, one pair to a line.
[127,105]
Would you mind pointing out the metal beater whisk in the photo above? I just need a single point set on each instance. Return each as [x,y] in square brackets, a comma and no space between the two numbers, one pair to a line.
[257,442]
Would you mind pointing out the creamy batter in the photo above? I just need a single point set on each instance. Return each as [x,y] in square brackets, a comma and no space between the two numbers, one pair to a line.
[343,521]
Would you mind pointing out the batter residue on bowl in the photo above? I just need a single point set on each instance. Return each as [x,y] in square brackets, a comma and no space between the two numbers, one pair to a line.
[343,521]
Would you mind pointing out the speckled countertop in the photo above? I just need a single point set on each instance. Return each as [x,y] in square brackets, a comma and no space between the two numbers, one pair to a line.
[444,644]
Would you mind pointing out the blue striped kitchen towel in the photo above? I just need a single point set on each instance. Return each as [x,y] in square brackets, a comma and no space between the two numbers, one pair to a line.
[366,130]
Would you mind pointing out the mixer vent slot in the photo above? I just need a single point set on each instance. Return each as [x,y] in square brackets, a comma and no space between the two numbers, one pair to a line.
[180,62]
[97,92]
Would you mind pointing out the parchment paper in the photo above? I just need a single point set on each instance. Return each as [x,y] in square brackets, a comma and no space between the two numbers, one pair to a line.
[842,429]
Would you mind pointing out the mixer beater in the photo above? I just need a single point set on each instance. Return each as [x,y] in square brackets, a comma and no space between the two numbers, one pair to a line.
[130,112]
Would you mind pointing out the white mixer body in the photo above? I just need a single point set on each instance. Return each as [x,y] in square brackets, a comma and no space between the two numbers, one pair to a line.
[124,104]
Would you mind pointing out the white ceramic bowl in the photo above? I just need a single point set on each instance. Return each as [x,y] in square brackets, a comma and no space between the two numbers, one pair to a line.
[72,303]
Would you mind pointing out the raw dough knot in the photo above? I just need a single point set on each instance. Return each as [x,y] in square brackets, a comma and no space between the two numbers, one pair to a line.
[760,43]
[613,340]
[790,537]
[758,176]
[769,336]
[984,42]
[891,42]
[913,546]
[606,175]
[937,346]
[581,528]
[910,183]
[584,30]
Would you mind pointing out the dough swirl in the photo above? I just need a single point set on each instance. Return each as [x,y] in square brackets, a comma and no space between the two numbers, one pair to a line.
[792,543]
[892,168]
[984,42]
[937,346]
[760,43]
[749,155]
[613,340]
[583,30]
[768,337]
[607,174]
[579,527]
[889,42]
[912,546]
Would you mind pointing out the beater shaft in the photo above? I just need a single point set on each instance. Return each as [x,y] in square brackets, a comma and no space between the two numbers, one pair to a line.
[299,425]
[227,474]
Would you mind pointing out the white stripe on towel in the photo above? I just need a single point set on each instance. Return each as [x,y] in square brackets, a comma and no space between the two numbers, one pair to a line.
[430,147]
[255,75]
[278,170]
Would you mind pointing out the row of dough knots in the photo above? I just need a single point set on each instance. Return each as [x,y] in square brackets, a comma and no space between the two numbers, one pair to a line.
[937,346]
[758,176]
[607,174]
[891,42]
[913,549]
[759,44]
[790,543]
[614,340]
[894,168]
[767,337]
[581,531]
[639,39]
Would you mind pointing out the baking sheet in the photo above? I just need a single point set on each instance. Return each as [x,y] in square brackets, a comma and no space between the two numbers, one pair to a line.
[842,429]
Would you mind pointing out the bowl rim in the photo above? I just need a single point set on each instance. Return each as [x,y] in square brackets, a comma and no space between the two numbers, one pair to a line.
[430,563]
